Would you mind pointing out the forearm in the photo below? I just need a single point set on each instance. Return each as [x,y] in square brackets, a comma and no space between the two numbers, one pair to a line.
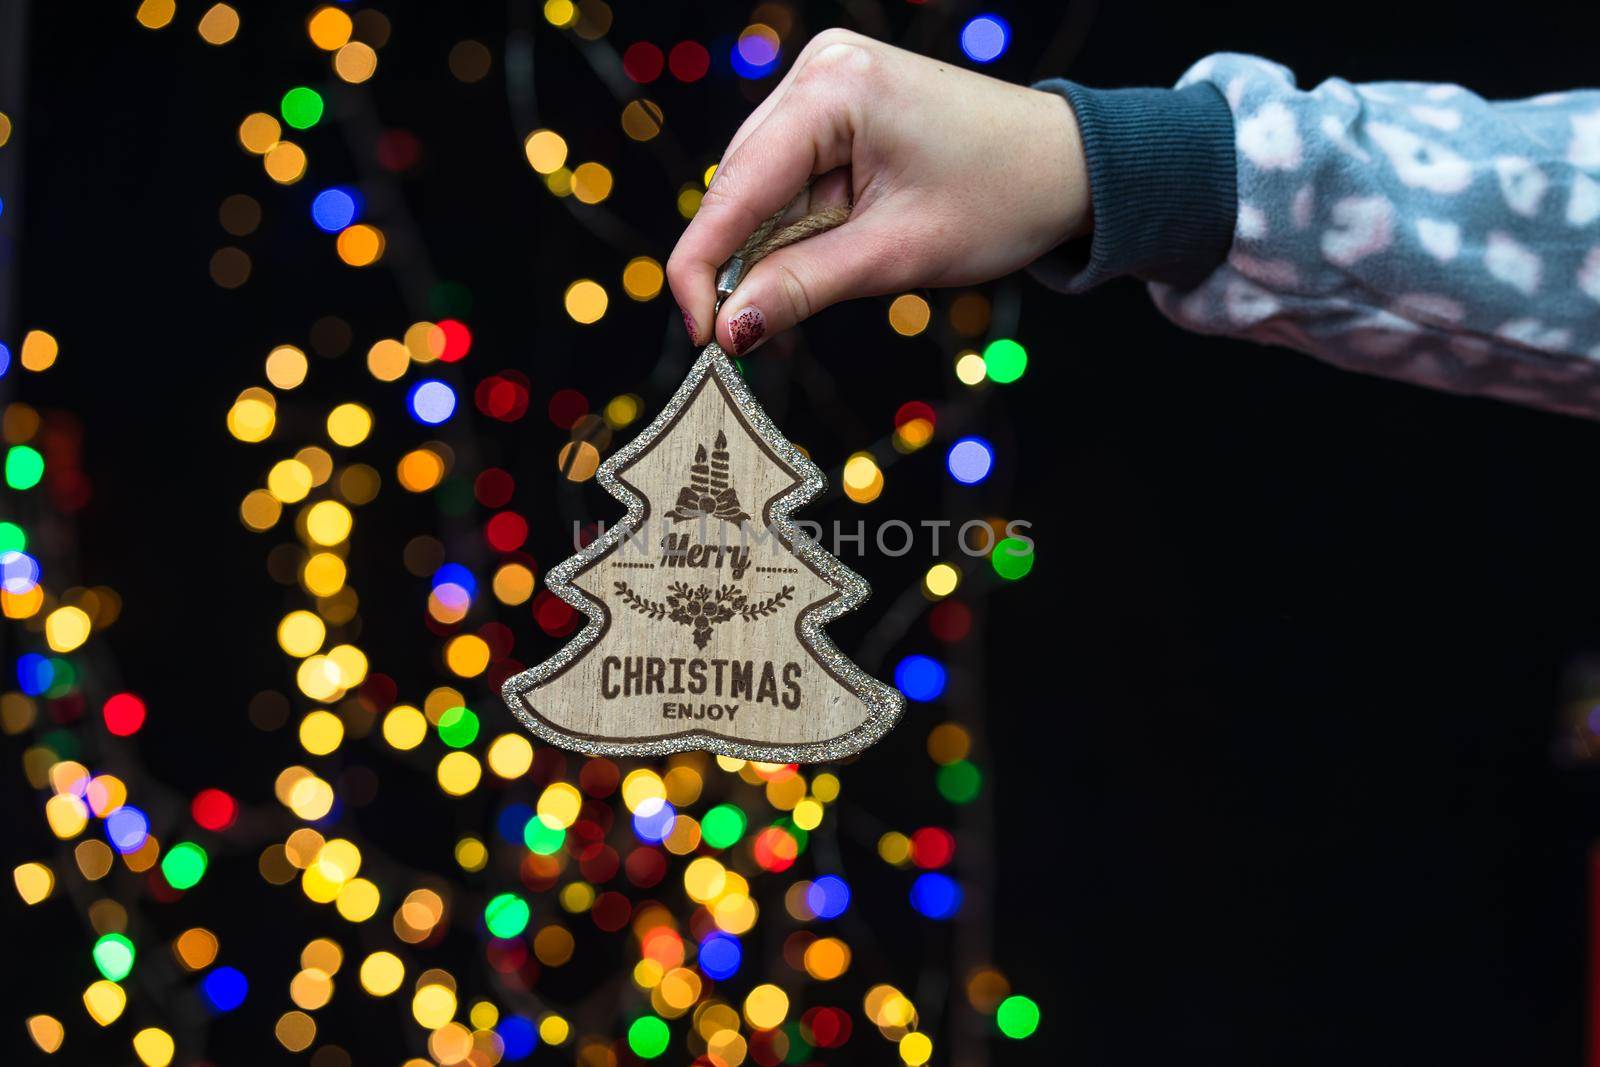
[1412,231]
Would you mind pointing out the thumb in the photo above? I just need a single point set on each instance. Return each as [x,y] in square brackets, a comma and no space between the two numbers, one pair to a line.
[794,283]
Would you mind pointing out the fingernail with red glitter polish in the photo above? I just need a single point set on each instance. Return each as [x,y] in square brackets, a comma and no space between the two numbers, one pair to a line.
[746,330]
[688,323]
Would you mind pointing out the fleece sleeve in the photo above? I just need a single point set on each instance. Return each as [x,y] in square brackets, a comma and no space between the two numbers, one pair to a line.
[1414,231]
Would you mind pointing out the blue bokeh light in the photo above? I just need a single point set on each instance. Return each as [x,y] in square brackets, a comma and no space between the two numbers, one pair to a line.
[457,574]
[720,956]
[34,673]
[984,38]
[431,401]
[225,988]
[127,829]
[513,817]
[653,820]
[753,56]
[920,678]
[19,572]
[334,209]
[519,1036]
[828,896]
[970,460]
[5,360]
[936,895]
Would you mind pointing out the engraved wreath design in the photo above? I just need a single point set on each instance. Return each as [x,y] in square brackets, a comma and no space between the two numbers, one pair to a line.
[701,607]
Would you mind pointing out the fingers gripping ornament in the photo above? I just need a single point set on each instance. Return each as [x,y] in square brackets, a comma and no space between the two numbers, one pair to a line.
[706,603]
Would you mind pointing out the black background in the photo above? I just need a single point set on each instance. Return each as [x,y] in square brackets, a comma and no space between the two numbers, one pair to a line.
[1273,780]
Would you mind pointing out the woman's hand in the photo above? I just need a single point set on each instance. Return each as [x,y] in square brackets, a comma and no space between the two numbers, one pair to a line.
[955,178]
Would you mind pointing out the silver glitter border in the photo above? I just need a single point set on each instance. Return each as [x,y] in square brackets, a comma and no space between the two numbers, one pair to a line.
[885,704]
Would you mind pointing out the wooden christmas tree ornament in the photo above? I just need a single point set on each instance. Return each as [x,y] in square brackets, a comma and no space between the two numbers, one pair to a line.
[706,604]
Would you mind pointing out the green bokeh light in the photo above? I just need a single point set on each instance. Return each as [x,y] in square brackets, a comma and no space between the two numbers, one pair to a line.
[302,107]
[1012,558]
[648,1037]
[506,915]
[113,956]
[959,782]
[542,837]
[13,538]
[24,467]
[184,865]
[722,826]
[1004,360]
[458,727]
[1017,1017]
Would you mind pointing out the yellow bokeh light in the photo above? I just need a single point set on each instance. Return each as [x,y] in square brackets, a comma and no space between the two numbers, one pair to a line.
[329,28]
[510,755]
[863,478]
[289,480]
[259,133]
[642,278]
[894,848]
[704,879]
[553,946]
[321,732]
[909,314]
[360,245]
[34,882]
[328,522]
[66,628]
[560,14]
[467,655]
[560,804]
[560,182]
[382,973]
[285,162]
[622,410]
[355,62]
[578,460]
[104,1002]
[591,182]
[765,1007]
[22,605]
[251,418]
[286,367]
[434,1005]
[424,341]
[349,424]
[459,773]
[351,664]
[941,580]
[688,202]
[546,151]
[388,360]
[358,900]
[324,574]
[39,350]
[553,1029]
[472,854]
[915,1049]
[971,369]
[404,727]
[153,1047]
[585,301]
[154,14]
[67,815]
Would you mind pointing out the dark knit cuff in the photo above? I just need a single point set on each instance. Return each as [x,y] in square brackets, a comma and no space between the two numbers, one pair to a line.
[1162,184]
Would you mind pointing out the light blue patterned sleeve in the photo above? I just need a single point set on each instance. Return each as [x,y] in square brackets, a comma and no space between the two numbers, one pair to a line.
[1413,231]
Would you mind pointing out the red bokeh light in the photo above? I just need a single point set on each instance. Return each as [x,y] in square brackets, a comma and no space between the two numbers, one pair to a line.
[494,487]
[911,411]
[642,62]
[457,340]
[398,150]
[567,406]
[503,396]
[554,615]
[931,847]
[950,621]
[124,714]
[214,809]
[506,531]
[689,61]
[774,849]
